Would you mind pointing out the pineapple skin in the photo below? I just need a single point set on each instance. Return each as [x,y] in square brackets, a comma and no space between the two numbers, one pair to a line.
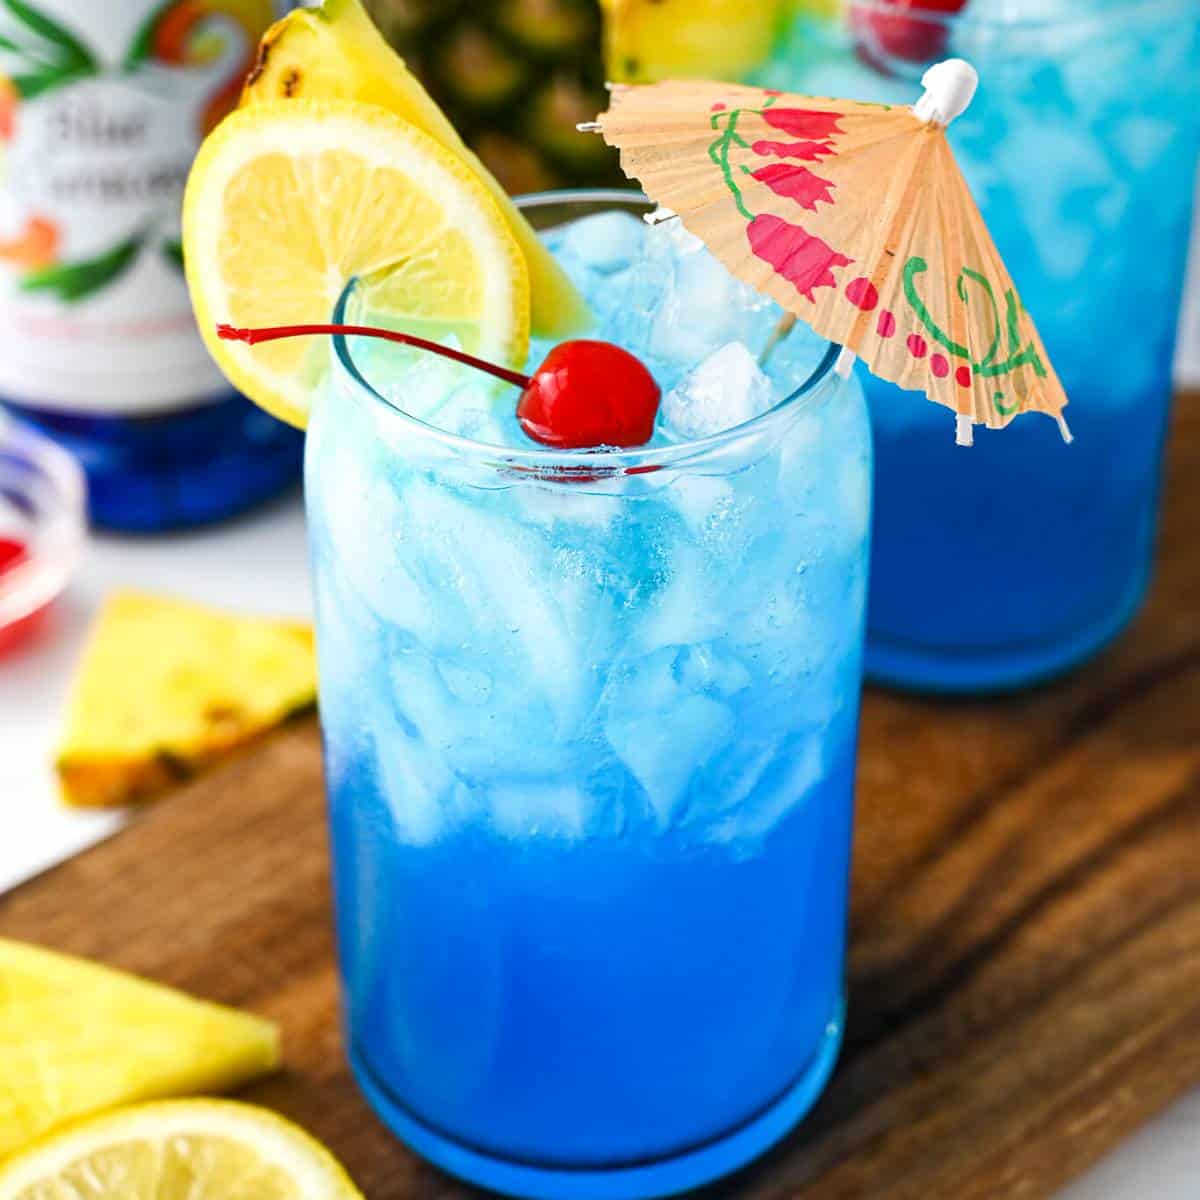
[514,77]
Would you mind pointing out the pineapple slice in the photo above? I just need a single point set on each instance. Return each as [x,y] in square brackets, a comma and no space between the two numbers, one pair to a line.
[649,40]
[78,1038]
[335,52]
[166,687]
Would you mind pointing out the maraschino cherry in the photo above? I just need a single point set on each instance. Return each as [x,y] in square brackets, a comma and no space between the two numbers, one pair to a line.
[586,393]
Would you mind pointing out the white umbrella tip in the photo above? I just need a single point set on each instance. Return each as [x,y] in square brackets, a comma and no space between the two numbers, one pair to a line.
[949,88]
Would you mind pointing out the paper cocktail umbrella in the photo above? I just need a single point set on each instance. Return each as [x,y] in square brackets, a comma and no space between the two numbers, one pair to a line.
[855,218]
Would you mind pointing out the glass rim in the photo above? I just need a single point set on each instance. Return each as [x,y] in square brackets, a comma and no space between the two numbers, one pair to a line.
[965,21]
[604,460]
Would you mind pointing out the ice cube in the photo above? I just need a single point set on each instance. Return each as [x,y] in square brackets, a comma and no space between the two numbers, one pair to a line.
[420,382]
[854,498]
[682,612]
[663,747]
[566,505]
[669,236]
[507,597]
[466,684]
[605,242]
[530,809]
[702,500]
[361,524]
[701,306]
[481,755]
[489,424]
[728,388]
[790,774]
[424,797]
[1143,140]
[424,706]
[706,668]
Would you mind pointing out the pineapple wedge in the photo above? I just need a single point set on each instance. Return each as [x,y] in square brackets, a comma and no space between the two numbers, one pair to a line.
[166,687]
[649,40]
[335,52]
[78,1038]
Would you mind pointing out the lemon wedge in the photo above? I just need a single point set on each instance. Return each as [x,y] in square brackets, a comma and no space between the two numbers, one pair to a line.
[288,201]
[178,1150]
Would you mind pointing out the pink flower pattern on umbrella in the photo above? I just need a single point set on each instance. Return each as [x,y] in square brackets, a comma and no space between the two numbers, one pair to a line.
[796,183]
[804,260]
[791,137]
[804,122]
[805,151]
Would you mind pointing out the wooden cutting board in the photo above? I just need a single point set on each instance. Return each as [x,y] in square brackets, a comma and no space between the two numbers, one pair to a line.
[1025,967]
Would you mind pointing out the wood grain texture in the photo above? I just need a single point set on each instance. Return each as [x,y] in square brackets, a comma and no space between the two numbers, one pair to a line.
[1025,962]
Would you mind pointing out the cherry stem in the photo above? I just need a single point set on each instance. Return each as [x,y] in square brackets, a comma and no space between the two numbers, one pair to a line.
[274,333]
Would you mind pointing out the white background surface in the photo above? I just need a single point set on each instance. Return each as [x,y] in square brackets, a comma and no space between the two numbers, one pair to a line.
[259,564]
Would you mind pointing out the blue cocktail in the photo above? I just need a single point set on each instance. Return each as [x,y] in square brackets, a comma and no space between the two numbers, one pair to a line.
[1012,561]
[590,724]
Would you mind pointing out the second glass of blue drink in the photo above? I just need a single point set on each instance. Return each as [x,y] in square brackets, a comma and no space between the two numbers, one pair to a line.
[1011,562]
[590,724]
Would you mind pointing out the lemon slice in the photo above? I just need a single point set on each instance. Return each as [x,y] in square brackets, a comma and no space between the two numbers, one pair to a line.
[178,1150]
[290,200]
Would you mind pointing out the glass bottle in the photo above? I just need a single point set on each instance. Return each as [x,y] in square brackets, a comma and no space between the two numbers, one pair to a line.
[102,106]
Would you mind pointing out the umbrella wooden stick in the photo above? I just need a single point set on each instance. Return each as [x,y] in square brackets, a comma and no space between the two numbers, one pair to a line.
[785,326]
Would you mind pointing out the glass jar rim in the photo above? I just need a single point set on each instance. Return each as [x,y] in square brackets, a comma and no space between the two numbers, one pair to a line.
[606,460]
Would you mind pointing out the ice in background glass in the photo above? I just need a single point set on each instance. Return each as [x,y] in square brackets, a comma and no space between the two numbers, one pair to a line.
[1010,562]
[590,725]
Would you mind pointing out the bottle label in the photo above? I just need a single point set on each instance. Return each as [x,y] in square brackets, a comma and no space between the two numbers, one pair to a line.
[102,106]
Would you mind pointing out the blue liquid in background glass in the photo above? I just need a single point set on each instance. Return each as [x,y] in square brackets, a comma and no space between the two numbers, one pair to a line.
[182,467]
[1014,560]
[590,756]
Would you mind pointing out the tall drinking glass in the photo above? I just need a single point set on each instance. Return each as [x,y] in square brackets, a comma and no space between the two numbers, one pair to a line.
[1004,564]
[590,725]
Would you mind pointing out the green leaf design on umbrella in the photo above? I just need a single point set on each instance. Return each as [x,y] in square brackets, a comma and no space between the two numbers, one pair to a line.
[986,365]
[71,282]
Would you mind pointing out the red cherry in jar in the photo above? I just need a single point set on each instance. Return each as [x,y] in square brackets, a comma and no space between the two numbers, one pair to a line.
[913,31]
[12,553]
